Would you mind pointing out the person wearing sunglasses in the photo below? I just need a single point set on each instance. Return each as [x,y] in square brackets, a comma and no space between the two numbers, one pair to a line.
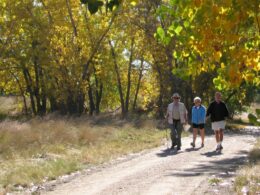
[176,116]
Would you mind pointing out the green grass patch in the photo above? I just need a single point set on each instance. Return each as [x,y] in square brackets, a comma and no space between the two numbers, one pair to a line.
[25,173]
[214,181]
[253,119]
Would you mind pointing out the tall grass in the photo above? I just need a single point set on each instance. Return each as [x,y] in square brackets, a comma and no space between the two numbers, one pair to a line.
[43,149]
[10,105]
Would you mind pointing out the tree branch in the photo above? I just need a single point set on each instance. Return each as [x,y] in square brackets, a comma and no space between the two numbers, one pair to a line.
[96,48]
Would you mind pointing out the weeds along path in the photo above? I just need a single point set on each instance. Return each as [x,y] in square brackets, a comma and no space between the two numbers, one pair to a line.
[162,172]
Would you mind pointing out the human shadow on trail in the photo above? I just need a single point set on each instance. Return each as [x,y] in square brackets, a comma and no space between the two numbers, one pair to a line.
[212,153]
[224,167]
[168,152]
[192,149]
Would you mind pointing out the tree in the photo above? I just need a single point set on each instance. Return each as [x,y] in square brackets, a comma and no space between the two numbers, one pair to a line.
[218,37]
[96,56]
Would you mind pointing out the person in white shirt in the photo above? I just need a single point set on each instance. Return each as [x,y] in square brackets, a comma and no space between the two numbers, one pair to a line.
[176,116]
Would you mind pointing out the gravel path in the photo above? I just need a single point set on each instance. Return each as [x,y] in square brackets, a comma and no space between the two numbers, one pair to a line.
[161,171]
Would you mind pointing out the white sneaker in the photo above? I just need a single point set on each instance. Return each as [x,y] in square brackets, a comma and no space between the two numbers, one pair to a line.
[218,147]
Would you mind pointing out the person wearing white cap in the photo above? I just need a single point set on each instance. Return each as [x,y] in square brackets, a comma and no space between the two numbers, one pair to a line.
[218,111]
[198,118]
[176,116]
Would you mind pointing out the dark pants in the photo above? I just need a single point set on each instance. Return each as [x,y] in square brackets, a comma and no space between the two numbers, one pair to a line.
[176,130]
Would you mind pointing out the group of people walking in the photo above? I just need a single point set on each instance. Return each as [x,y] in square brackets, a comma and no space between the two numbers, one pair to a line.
[177,116]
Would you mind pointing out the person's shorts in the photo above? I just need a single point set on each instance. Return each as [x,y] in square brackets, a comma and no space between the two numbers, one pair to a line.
[198,126]
[218,125]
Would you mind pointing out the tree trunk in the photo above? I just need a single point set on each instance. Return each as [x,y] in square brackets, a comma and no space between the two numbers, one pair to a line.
[80,102]
[174,84]
[21,92]
[138,83]
[97,46]
[43,93]
[36,88]
[98,98]
[43,104]
[29,88]
[71,103]
[53,104]
[91,101]
[129,77]
[71,18]
[119,85]
[160,99]
[98,90]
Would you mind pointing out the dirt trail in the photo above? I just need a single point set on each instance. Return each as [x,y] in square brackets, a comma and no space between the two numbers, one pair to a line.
[162,172]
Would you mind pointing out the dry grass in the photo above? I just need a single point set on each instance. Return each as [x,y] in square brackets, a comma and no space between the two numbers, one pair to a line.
[249,176]
[43,149]
[254,155]
[10,106]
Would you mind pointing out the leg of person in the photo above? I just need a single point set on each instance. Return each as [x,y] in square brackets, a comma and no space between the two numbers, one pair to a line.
[173,136]
[217,138]
[216,128]
[195,132]
[202,135]
[221,134]
[179,131]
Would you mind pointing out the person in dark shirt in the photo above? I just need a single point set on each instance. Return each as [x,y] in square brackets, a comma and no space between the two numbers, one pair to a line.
[218,112]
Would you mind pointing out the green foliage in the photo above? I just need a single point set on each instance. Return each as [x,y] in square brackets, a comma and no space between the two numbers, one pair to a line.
[113,3]
[239,99]
[257,113]
[93,7]
[214,181]
[205,41]
[204,29]
[253,119]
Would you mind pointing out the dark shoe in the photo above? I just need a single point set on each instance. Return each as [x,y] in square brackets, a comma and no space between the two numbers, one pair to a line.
[178,148]
[202,145]
[220,147]
[173,145]
[192,144]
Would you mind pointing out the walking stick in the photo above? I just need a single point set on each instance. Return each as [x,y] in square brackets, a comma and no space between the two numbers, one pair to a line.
[166,131]
[166,135]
